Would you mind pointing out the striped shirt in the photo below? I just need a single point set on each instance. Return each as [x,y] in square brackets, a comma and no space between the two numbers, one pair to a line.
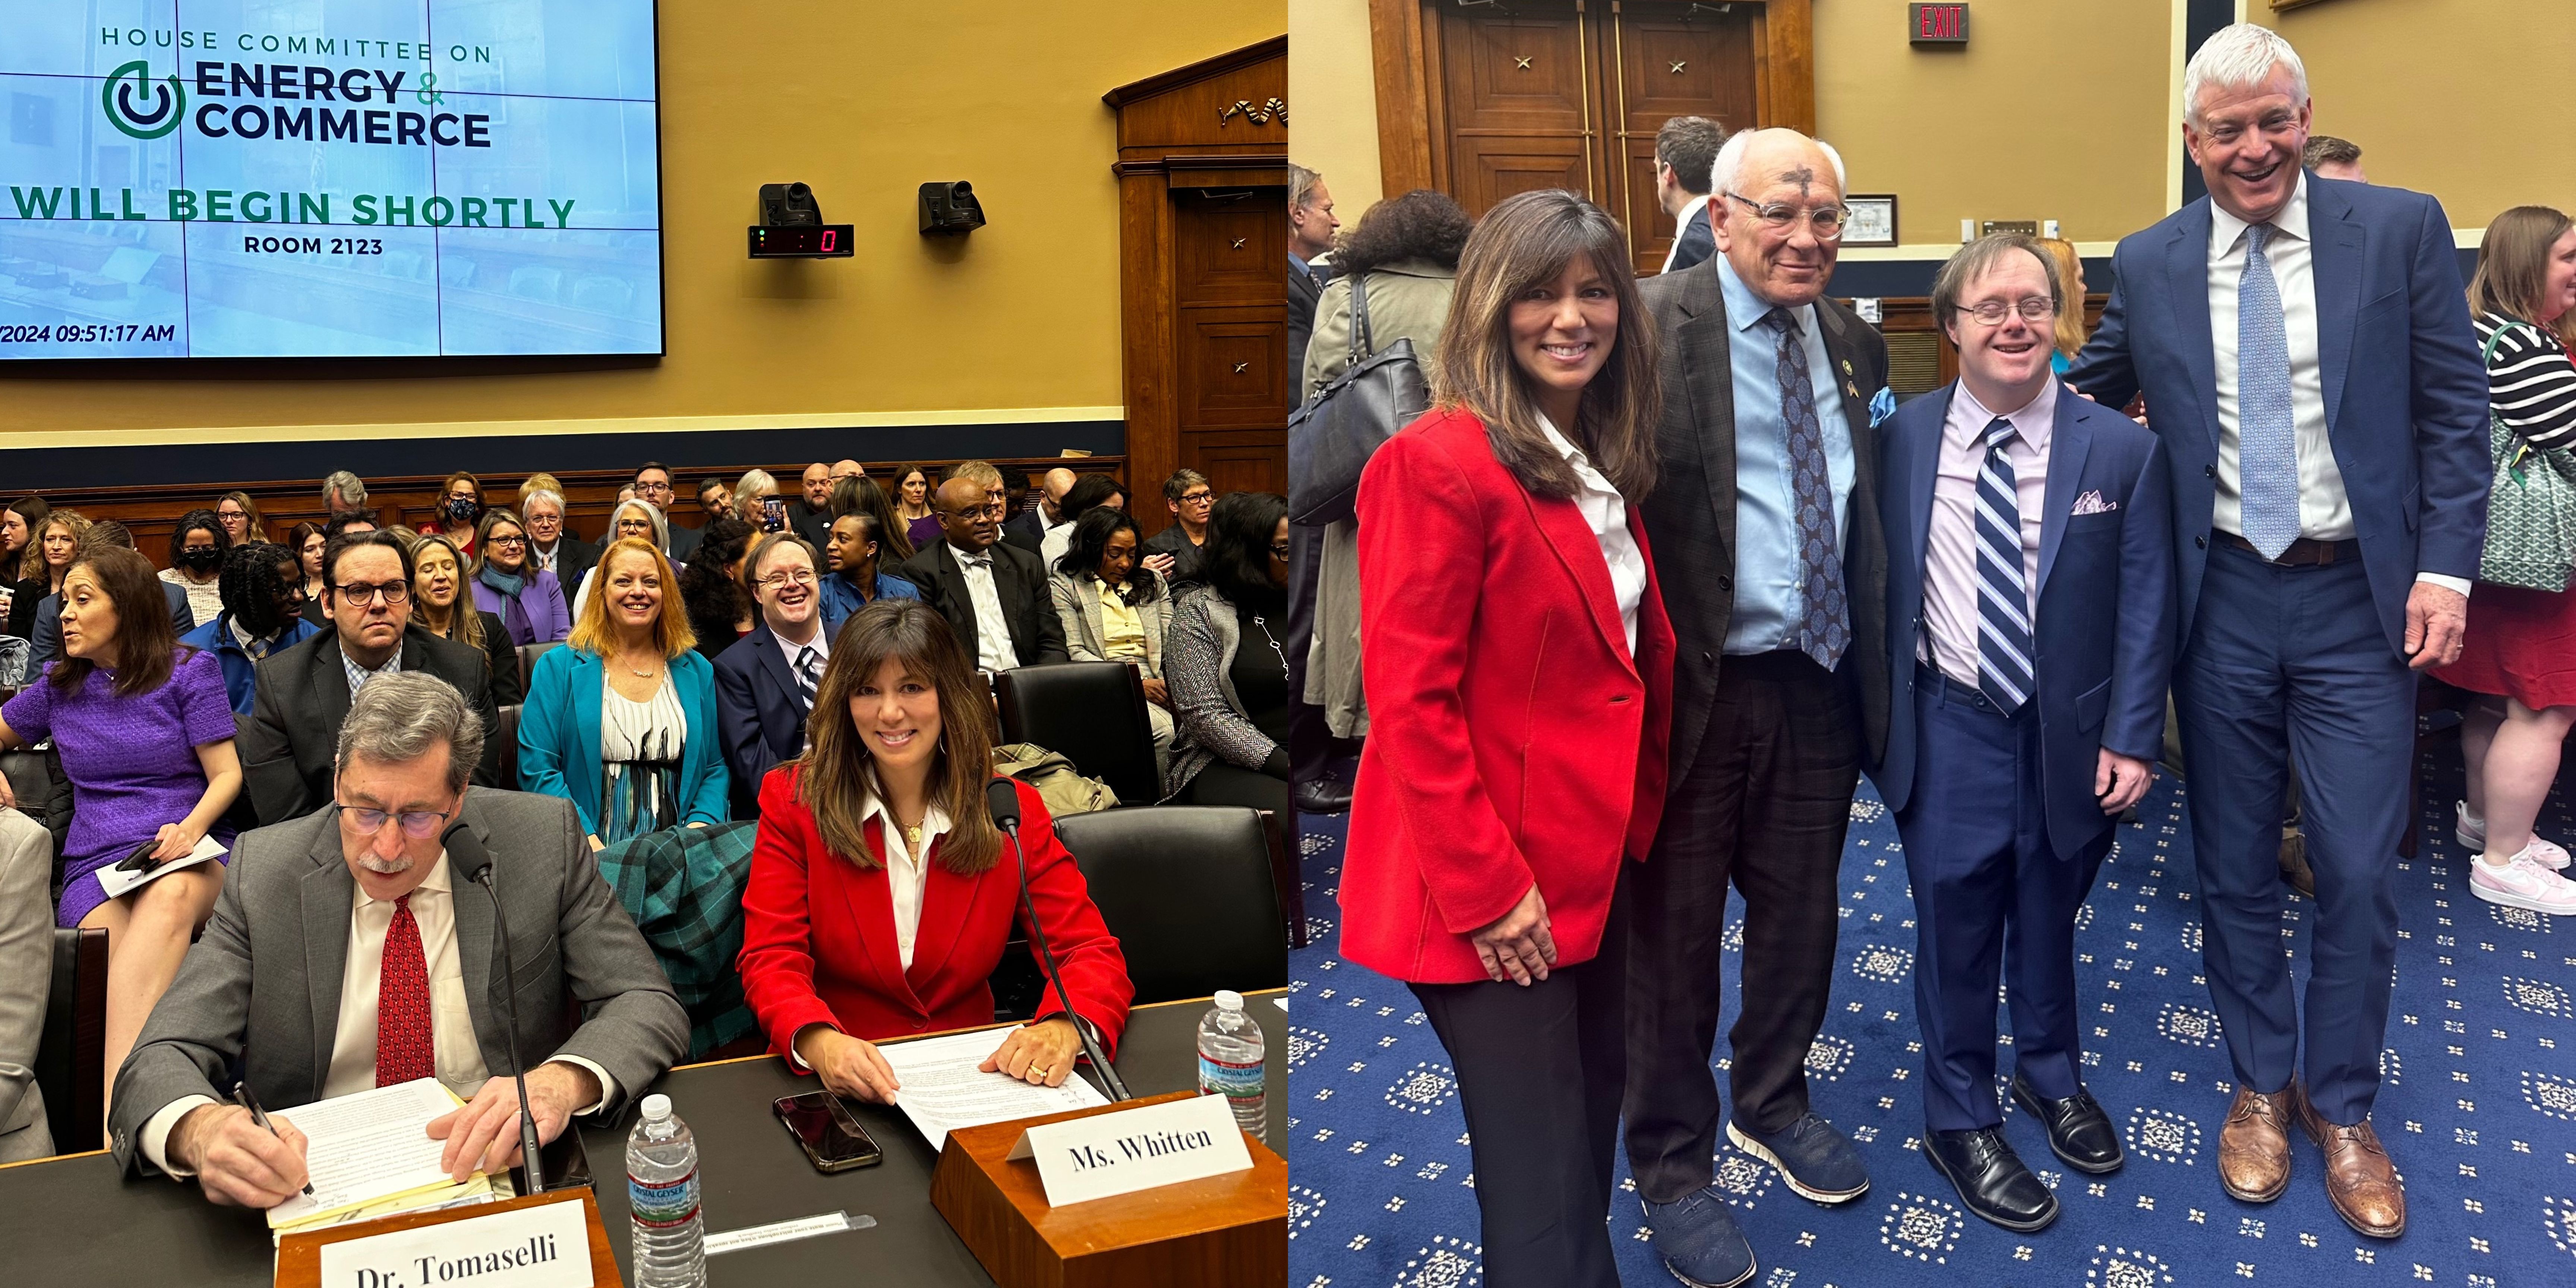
[2530,381]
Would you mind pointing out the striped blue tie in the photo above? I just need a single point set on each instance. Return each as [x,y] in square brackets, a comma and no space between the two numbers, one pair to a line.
[2267,449]
[2003,603]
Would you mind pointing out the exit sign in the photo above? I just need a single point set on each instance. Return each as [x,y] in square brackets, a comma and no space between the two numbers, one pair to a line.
[1937,24]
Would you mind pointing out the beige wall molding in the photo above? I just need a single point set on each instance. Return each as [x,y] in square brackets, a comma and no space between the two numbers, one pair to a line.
[526,428]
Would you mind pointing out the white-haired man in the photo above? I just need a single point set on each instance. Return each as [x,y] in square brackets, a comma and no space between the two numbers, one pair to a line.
[2305,351]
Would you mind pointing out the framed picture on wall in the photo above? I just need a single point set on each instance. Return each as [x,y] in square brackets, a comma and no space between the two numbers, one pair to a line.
[1873,221]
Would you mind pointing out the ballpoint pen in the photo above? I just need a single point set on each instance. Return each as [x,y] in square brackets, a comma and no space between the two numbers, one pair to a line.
[243,1097]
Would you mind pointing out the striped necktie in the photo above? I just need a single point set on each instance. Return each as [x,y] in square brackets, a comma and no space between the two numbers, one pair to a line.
[2267,449]
[2003,601]
[809,674]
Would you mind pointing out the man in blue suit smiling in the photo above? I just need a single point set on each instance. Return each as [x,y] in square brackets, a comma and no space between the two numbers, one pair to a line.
[2030,596]
[2305,351]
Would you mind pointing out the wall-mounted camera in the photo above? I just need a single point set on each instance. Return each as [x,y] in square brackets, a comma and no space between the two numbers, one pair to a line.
[950,209]
[791,226]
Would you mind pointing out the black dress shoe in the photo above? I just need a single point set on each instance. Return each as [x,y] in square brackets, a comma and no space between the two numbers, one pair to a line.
[1323,796]
[1991,1179]
[2078,1131]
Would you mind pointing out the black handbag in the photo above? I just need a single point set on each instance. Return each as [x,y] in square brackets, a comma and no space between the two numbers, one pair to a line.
[1331,437]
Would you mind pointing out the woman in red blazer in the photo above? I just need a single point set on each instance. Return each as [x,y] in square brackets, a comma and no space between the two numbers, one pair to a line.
[1519,668]
[881,892]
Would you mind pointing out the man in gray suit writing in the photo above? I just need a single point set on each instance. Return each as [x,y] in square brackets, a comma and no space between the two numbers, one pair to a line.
[343,955]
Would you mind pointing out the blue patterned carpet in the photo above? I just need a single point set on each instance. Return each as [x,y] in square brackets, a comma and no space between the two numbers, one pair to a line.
[2478,1107]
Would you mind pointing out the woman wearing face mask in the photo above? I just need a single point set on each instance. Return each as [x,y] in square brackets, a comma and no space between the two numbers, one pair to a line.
[263,613]
[529,600]
[460,503]
[441,607]
[197,549]
[621,721]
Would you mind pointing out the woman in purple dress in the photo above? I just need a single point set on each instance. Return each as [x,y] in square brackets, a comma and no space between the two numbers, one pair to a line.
[146,736]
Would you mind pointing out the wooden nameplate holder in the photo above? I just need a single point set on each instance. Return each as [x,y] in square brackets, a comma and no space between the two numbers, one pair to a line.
[299,1256]
[1230,1229]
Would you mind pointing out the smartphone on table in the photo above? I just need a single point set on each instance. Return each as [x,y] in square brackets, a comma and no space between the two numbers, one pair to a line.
[830,1134]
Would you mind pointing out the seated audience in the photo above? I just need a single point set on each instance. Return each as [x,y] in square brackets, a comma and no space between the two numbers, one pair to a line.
[653,485]
[241,520]
[331,530]
[460,503]
[1225,663]
[551,543]
[2514,652]
[622,720]
[48,559]
[601,1020]
[441,607]
[765,683]
[715,501]
[27,963]
[344,493]
[304,692]
[811,510]
[711,587]
[45,635]
[1090,492]
[540,481]
[637,518]
[858,553]
[912,488]
[1189,497]
[19,525]
[528,599]
[1115,611]
[306,539]
[751,494]
[197,546]
[994,596]
[263,613]
[843,901]
[1028,528]
[861,495]
[339,525]
[146,740]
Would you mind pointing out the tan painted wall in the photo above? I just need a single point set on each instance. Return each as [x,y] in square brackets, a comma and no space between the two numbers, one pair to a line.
[2463,99]
[1022,314]
[1332,93]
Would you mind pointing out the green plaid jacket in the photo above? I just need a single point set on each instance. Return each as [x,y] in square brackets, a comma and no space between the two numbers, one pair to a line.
[683,886]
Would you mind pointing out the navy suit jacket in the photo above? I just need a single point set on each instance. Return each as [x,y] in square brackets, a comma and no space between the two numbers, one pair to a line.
[2104,638]
[2405,393]
[759,712]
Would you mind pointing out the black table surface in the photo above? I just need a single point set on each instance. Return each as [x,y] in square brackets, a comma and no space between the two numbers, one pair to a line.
[75,1220]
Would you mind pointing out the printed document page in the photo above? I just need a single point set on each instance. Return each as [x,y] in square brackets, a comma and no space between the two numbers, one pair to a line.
[368,1147]
[942,1090]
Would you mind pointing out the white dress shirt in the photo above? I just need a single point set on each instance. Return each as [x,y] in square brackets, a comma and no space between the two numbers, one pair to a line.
[905,873]
[1057,539]
[456,1053]
[1951,585]
[1681,225]
[2325,511]
[993,650]
[1606,512]
[821,644]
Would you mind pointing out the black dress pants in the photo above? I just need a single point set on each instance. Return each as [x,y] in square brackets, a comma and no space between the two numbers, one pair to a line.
[1539,1075]
[1765,809]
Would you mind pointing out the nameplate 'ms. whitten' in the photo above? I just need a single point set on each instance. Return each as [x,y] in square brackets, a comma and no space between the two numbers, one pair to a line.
[547,1246]
[1106,1155]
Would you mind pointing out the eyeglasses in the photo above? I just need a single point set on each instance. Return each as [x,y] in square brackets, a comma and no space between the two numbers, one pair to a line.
[1198,498]
[2033,308]
[507,541]
[1279,549]
[419,825]
[653,489]
[1826,221]
[800,577]
[395,592]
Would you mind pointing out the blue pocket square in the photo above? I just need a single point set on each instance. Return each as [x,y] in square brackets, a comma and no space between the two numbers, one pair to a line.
[1881,406]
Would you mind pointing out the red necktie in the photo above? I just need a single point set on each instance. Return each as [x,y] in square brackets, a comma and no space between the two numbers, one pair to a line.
[402,1003]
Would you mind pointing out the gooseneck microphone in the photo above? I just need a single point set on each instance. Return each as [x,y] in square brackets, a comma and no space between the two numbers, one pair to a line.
[467,858]
[1002,800]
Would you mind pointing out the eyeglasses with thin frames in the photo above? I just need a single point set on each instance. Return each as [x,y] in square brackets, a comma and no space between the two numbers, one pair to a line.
[360,592]
[1826,222]
[2033,308]
[419,825]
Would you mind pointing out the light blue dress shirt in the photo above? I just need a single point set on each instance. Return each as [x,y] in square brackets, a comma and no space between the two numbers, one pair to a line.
[1768,599]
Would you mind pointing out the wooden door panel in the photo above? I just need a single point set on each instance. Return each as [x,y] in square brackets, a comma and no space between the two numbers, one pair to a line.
[1492,169]
[1237,462]
[1228,249]
[1233,368]
[1516,72]
[1672,61]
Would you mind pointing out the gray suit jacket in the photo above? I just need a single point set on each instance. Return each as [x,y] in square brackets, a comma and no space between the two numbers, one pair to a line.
[1691,516]
[1077,605]
[263,985]
[27,963]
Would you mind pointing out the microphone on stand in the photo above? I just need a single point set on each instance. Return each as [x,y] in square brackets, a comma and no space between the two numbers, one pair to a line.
[468,859]
[1002,799]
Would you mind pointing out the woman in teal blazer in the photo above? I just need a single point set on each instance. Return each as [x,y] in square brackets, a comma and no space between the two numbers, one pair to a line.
[622,721]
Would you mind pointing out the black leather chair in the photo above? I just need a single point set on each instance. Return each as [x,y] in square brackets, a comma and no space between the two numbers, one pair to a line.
[1091,713]
[508,733]
[1188,891]
[71,1057]
[528,655]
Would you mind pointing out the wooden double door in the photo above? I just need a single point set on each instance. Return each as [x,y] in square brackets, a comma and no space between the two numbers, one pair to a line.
[1530,94]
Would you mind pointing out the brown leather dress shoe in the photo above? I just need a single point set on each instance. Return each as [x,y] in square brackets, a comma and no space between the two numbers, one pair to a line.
[2361,1182]
[2254,1145]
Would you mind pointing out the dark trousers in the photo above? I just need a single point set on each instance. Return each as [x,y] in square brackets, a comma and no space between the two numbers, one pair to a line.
[1310,739]
[2283,664]
[1985,874]
[1764,807]
[1539,1075]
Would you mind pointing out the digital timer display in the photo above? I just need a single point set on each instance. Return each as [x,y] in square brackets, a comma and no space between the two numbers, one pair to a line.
[801,241]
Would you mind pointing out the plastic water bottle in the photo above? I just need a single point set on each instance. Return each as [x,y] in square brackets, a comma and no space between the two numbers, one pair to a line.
[662,1192]
[1230,1054]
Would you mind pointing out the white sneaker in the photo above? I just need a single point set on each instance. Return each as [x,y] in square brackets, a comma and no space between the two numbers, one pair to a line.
[2524,883]
[2471,832]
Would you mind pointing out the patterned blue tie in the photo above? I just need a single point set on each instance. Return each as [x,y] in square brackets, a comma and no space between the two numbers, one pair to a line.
[2267,449]
[1824,617]
[2003,600]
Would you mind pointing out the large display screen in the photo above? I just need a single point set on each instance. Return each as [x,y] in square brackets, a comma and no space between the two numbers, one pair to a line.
[326,178]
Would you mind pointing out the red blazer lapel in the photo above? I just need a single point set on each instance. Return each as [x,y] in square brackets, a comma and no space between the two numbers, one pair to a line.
[947,899]
[871,904]
[1570,537]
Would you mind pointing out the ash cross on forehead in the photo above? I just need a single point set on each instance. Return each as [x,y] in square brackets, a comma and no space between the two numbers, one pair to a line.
[1804,177]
